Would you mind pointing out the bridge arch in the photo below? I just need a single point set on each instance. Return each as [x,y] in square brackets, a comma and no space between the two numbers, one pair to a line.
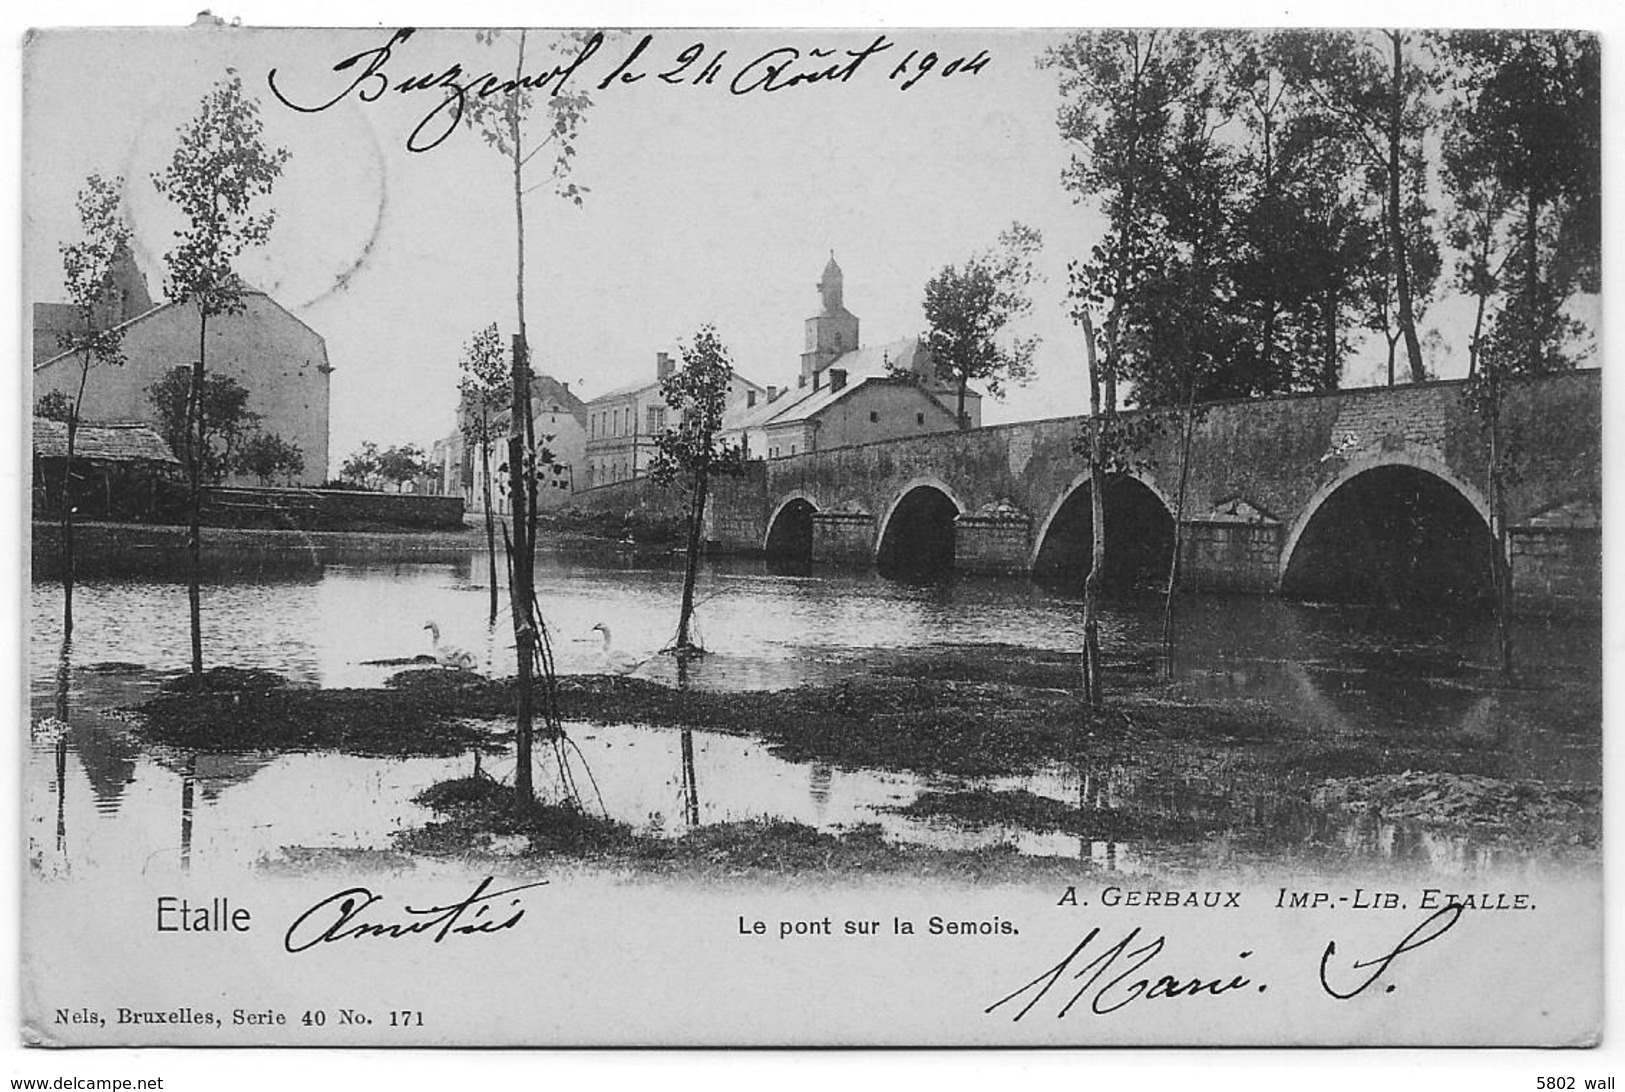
[1396,526]
[917,532]
[1062,548]
[789,534]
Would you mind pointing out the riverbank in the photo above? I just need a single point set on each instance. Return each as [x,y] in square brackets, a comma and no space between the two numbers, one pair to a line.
[1179,776]
[152,549]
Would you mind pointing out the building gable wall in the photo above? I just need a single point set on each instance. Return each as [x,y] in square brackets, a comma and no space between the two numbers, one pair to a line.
[279,360]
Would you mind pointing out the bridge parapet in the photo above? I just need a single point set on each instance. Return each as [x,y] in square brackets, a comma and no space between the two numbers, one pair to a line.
[1262,473]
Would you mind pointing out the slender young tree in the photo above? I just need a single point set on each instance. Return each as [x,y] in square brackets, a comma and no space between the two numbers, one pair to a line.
[95,339]
[967,309]
[690,454]
[219,170]
[1118,88]
[500,117]
[483,391]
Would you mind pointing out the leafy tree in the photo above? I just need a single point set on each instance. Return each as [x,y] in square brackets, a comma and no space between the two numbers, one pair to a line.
[1477,225]
[54,406]
[404,463]
[219,169]
[94,339]
[1300,234]
[1522,164]
[501,121]
[1371,86]
[1534,117]
[483,392]
[1118,90]
[689,453]
[222,412]
[361,468]
[267,455]
[967,309]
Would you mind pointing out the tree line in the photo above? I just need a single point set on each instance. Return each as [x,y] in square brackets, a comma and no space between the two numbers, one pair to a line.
[1272,195]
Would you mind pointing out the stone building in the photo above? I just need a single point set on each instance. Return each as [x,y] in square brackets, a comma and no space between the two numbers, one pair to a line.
[622,424]
[280,361]
[559,418]
[847,394]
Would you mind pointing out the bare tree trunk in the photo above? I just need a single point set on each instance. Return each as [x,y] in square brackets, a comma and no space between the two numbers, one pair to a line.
[1396,220]
[1476,340]
[1186,425]
[490,520]
[196,439]
[1531,282]
[67,533]
[1097,513]
[522,574]
[1500,571]
[696,518]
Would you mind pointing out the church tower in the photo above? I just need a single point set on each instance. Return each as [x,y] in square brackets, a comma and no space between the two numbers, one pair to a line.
[127,295]
[833,331]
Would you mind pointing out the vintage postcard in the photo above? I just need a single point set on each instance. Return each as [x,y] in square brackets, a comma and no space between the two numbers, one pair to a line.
[811,537]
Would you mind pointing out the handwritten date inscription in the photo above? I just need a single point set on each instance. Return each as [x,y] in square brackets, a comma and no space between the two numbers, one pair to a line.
[367,75]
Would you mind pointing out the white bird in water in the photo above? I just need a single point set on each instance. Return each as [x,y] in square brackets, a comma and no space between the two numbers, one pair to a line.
[448,655]
[615,663]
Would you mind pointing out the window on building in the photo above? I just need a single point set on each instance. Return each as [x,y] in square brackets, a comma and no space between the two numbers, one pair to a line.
[919,418]
[874,417]
[792,449]
[657,419]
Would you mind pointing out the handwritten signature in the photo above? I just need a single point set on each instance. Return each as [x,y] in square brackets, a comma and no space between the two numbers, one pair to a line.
[1114,975]
[340,917]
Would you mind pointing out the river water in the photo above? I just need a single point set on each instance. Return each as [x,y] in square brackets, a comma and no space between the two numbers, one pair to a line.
[97,797]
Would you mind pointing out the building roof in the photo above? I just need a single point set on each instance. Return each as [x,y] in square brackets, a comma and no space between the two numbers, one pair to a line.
[623,391]
[645,384]
[877,362]
[248,290]
[119,442]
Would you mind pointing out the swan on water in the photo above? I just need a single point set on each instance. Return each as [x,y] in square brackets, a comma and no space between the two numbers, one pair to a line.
[448,655]
[615,663]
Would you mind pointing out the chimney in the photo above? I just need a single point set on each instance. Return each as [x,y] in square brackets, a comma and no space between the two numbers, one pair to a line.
[663,365]
[772,393]
[750,399]
[837,379]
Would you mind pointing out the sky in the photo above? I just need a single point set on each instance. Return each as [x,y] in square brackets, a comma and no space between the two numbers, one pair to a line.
[702,205]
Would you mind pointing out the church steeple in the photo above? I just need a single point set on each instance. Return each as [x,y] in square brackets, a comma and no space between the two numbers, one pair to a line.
[127,292]
[829,286]
[833,331]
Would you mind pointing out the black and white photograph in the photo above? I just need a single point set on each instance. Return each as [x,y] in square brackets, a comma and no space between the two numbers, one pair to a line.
[812,537]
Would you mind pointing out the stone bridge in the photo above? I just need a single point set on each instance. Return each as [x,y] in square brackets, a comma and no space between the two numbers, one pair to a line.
[1377,495]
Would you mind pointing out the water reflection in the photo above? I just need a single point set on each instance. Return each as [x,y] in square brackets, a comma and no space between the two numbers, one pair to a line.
[188,785]
[102,798]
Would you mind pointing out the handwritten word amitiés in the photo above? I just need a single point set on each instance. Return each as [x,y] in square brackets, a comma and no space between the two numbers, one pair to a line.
[344,916]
